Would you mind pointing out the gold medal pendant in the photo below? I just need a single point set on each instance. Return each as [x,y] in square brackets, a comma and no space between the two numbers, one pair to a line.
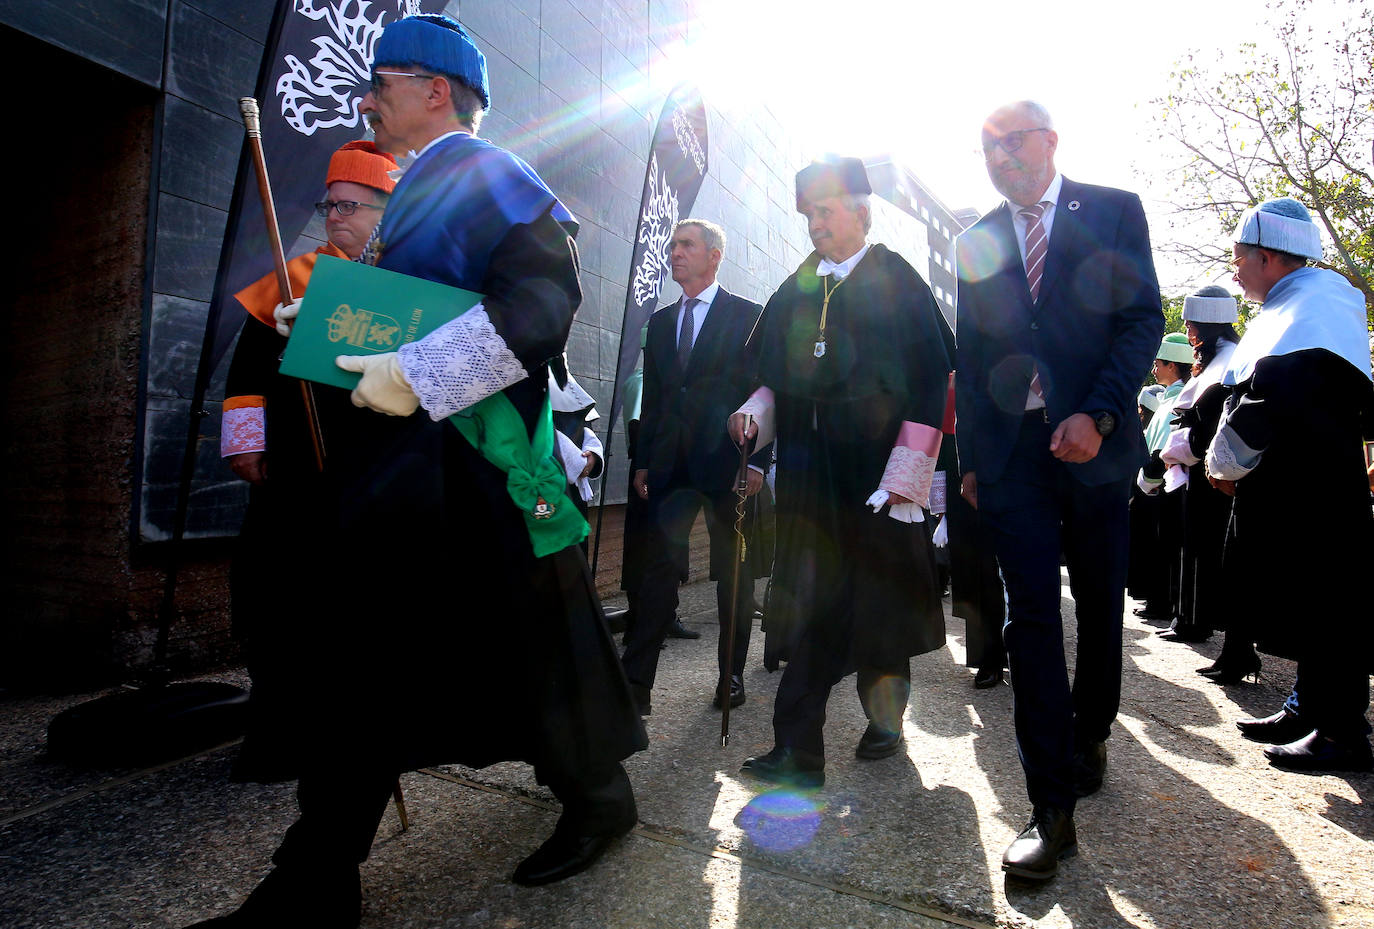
[819,351]
[542,509]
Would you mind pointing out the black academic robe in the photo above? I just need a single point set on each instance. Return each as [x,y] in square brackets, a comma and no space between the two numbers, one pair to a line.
[1301,536]
[838,563]
[434,634]
[1206,511]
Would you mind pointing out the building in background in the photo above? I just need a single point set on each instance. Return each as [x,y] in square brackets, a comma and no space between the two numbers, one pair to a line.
[118,209]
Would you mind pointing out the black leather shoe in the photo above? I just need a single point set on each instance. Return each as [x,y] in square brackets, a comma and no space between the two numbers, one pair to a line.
[1049,837]
[616,620]
[1089,765]
[1185,632]
[565,853]
[736,692]
[1315,752]
[789,766]
[329,899]
[642,701]
[987,677]
[1280,729]
[878,742]
[679,631]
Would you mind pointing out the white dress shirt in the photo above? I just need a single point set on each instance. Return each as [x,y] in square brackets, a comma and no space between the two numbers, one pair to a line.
[698,312]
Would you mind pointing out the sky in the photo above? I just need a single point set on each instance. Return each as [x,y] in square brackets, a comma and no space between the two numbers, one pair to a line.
[917,79]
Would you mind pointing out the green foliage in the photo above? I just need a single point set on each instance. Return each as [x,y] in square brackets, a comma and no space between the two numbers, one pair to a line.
[1297,121]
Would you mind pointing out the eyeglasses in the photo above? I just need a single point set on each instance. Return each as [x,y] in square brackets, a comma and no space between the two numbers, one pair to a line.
[377,85]
[1009,143]
[343,207]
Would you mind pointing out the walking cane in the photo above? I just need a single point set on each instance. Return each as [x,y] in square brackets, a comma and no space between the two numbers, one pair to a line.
[251,122]
[741,552]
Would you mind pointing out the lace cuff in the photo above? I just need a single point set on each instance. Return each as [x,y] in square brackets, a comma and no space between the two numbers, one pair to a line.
[463,361]
[1228,458]
[909,473]
[761,406]
[1178,449]
[911,465]
[244,428]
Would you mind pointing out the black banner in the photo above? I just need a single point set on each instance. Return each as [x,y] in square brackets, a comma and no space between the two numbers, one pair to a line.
[677,166]
[315,72]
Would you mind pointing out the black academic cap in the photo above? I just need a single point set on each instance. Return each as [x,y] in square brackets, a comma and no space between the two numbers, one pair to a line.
[831,176]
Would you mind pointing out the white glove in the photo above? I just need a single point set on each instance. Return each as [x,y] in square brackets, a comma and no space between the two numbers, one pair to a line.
[1175,478]
[285,314]
[902,512]
[941,536]
[384,387]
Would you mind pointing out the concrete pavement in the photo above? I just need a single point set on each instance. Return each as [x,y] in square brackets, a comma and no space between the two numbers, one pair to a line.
[1192,827]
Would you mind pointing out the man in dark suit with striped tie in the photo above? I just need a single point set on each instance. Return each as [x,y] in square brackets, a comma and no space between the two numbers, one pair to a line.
[698,361]
[1058,320]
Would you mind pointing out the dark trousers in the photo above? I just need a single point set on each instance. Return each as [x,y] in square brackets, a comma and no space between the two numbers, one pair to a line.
[1036,509]
[672,511]
[1331,694]
[813,670]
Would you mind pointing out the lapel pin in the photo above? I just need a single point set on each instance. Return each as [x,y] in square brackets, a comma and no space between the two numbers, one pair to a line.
[1073,205]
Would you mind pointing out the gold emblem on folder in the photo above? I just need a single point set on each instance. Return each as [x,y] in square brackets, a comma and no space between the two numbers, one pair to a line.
[374,332]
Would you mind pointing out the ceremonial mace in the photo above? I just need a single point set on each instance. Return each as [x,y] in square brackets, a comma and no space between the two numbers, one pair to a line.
[741,552]
[248,106]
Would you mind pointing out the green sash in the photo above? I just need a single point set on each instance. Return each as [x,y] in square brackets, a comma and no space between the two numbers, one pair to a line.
[535,479]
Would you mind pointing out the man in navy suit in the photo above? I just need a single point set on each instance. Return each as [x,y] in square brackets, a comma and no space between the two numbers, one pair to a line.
[698,359]
[1058,320]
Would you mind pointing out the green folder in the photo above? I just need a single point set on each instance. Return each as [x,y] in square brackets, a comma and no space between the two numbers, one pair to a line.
[356,309]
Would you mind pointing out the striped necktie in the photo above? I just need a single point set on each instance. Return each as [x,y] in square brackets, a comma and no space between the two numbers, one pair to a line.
[1037,244]
[684,339]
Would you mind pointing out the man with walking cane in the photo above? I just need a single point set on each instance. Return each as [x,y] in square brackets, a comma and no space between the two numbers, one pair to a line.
[698,355]
[852,379]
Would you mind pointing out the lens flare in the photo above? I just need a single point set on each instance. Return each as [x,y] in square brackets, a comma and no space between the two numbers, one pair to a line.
[781,820]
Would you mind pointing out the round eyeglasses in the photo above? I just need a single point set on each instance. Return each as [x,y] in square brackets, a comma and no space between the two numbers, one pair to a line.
[344,207]
[1011,142]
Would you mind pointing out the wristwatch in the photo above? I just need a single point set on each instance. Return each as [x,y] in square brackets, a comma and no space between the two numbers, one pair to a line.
[1104,421]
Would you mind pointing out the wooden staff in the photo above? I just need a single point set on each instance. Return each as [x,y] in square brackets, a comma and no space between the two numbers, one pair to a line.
[248,106]
[741,552]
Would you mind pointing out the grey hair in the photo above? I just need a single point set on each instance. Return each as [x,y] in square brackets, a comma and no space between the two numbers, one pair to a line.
[467,103]
[711,234]
[1036,111]
[852,202]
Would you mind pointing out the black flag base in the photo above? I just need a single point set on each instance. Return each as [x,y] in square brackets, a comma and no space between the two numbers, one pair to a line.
[149,724]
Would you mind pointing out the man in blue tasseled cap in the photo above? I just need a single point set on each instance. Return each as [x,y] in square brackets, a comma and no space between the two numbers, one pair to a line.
[458,623]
